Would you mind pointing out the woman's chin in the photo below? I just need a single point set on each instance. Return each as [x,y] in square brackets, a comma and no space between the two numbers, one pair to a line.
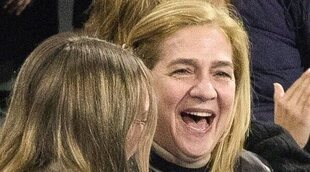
[194,152]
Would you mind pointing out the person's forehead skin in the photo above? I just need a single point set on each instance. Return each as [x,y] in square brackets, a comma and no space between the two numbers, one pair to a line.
[175,44]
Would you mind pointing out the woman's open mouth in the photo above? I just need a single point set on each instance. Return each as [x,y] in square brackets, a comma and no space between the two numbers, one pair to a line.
[199,121]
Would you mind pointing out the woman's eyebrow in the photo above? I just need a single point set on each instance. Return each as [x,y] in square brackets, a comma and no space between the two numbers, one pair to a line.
[222,63]
[186,61]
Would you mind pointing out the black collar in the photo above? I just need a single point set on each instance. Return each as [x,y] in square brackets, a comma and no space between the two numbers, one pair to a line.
[158,164]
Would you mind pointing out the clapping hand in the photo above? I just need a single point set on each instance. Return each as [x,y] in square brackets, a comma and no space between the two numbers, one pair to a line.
[292,108]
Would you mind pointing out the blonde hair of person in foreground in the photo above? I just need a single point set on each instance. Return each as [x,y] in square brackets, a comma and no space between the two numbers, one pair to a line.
[79,104]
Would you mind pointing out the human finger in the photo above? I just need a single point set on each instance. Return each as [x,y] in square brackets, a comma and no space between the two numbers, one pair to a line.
[277,96]
[278,91]
[305,94]
[300,95]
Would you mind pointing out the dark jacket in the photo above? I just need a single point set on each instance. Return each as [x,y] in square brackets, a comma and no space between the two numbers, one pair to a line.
[279,32]
[247,162]
[277,147]
[268,142]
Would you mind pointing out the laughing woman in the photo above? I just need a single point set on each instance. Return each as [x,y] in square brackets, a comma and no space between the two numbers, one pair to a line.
[198,55]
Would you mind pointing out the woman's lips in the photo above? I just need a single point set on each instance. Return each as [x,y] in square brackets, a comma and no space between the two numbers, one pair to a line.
[197,121]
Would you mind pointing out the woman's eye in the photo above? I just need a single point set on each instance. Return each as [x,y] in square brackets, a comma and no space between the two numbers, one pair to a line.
[180,72]
[224,75]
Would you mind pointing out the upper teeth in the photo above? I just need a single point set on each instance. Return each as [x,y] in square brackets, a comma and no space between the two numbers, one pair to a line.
[201,114]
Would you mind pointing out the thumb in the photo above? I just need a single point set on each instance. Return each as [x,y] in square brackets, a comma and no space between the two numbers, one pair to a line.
[278,91]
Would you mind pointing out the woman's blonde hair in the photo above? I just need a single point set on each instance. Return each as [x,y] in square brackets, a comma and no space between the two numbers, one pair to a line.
[161,21]
[112,19]
[72,105]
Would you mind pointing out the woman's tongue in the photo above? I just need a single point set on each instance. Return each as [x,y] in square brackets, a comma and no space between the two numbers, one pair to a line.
[199,123]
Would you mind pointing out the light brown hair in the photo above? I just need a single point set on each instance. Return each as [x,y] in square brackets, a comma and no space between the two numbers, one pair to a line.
[72,105]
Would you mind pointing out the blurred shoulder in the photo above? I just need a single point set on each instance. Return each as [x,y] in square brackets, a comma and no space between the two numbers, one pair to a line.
[249,161]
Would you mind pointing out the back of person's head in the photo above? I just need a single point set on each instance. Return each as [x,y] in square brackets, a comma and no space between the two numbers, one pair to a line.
[146,36]
[112,19]
[73,104]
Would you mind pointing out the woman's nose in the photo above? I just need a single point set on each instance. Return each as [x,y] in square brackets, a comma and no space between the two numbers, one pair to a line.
[203,90]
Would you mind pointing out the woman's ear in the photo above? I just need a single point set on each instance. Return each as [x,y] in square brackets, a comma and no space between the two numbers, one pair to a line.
[133,137]
[134,133]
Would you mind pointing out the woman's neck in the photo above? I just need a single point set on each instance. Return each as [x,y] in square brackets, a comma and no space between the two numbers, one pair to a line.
[189,163]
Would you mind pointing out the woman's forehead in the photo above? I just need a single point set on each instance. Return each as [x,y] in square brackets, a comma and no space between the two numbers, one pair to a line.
[196,41]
